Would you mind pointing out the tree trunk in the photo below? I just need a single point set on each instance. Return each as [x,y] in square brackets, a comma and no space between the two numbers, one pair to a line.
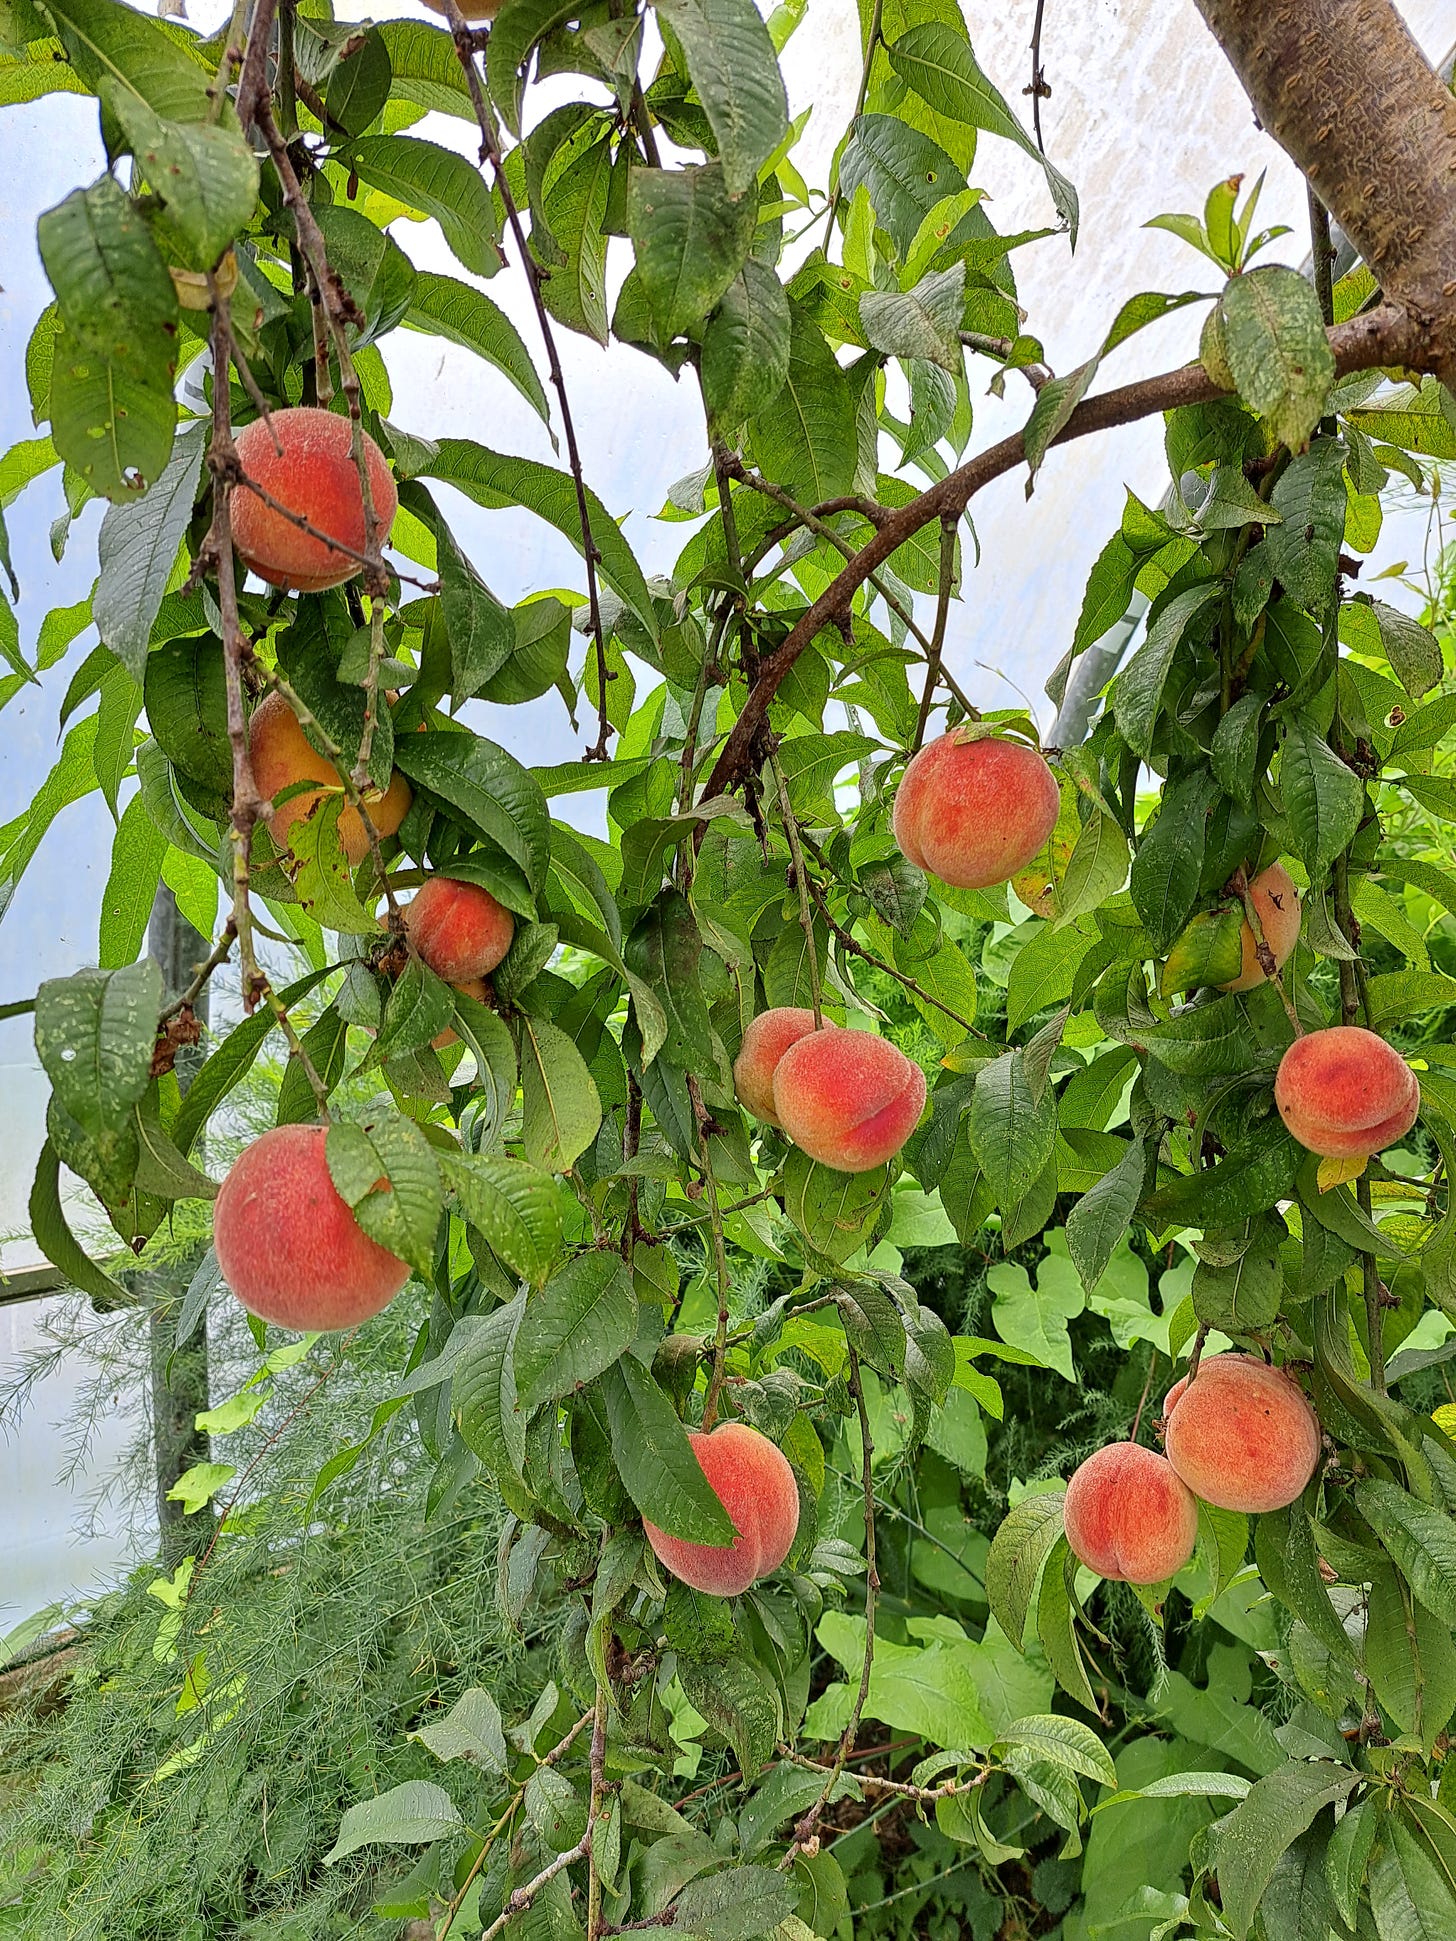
[1346,92]
[179,1376]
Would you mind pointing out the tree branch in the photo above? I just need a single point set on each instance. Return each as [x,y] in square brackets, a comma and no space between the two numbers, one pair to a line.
[1380,337]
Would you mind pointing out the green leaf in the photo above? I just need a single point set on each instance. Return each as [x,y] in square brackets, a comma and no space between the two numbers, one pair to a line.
[516,1206]
[1275,341]
[471,1729]
[1139,691]
[439,182]
[494,480]
[560,1107]
[374,269]
[691,238]
[575,1328]
[94,1033]
[1310,499]
[746,345]
[111,44]
[1013,1134]
[664,953]
[206,174]
[938,64]
[1234,751]
[1110,587]
[113,429]
[920,322]
[1209,952]
[1278,1808]
[737,1903]
[1421,1540]
[805,438]
[1323,799]
[1169,862]
[658,1468]
[905,174]
[1067,1742]
[445,307]
[197,1486]
[1056,1626]
[138,550]
[116,299]
[418,1810]
[387,1173]
[498,797]
[513,33]
[1035,1319]
[735,73]
[1410,1897]
[1029,1532]
[49,1230]
[131,887]
[483,1389]
[834,1211]
[574,215]
[1096,870]
[232,1061]
[737,1700]
[1102,1216]
[418,1010]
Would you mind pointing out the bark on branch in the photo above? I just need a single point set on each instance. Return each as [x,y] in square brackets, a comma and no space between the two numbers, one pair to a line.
[1381,337]
[1347,93]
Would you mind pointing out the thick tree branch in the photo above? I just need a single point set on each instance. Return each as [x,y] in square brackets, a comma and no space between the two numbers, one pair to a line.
[1380,337]
[1347,93]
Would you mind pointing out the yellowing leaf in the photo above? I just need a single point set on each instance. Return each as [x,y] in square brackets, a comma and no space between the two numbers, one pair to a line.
[1339,1172]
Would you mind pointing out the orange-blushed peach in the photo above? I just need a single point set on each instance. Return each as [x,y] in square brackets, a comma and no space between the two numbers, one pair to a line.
[1241,1434]
[303,457]
[1345,1093]
[848,1099]
[752,1479]
[767,1038]
[974,813]
[282,755]
[1129,1517]
[1277,902]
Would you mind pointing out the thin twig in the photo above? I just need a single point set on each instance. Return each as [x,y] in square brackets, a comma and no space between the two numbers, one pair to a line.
[1038,89]
[720,1254]
[937,639]
[219,955]
[801,883]
[490,151]
[805,1831]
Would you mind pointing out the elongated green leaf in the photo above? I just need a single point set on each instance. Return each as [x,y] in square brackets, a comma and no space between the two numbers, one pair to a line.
[494,480]
[1422,1541]
[746,345]
[483,1389]
[658,1468]
[445,307]
[1028,1534]
[52,1234]
[938,64]
[1012,1133]
[1139,690]
[113,429]
[1323,798]
[205,173]
[575,1328]
[517,1207]
[386,1172]
[418,1810]
[138,549]
[560,1107]
[691,237]
[112,45]
[920,322]
[1067,1742]
[905,174]
[131,887]
[439,182]
[1275,341]
[1267,1822]
[93,1034]
[1102,1216]
[116,298]
[736,75]
[487,786]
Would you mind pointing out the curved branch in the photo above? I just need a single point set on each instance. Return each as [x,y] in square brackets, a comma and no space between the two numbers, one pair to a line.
[1380,337]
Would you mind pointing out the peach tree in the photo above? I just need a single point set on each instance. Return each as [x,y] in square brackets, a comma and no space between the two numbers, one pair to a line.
[856,960]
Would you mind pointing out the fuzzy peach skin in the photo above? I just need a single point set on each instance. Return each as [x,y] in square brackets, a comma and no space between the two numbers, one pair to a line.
[973,813]
[848,1099]
[1277,902]
[767,1038]
[314,475]
[458,928]
[282,755]
[1128,1517]
[471,9]
[288,1245]
[752,1479]
[1344,1093]
[1241,1434]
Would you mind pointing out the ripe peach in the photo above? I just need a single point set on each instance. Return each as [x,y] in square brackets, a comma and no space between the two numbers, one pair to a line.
[767,1038]
[973,813]
[288,1245]
[1344,1093]
[314,475]
[1128,1517]
[848,1099]
[459,929]
[752,1479]
[471,9]
[1241,1434]
[282,755]
[1277,902]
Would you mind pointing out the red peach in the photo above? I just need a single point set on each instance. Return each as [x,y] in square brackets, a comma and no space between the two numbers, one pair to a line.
[1241,1434]
[287,1243]
[458,928]
[1344,1093]
[752,1479]
[973,813]
[1277,902]
[767,1038]
[848,1099]
[1128,1517]
[282,755]
[471,9]
[314,475]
